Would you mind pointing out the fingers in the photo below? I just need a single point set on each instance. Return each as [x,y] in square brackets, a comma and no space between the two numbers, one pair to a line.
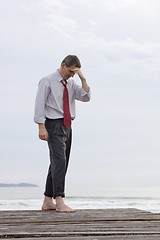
[76,70]
[43,134]
[44,137]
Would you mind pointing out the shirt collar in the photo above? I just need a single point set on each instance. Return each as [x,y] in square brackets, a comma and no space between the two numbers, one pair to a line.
[59,77]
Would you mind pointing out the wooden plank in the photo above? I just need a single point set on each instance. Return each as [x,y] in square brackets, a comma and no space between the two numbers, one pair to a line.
[84,224]
[94,238]
[82,236]
[79,227]
[80,215]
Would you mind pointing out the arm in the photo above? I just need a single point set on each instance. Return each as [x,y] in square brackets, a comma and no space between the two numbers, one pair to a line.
[81,93]
[82,78]
[39,116]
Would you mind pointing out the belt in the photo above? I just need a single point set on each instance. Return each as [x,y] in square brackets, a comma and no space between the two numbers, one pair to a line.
[55,119]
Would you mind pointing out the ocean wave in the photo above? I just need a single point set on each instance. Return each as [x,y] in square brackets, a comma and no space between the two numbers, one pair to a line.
[152,205]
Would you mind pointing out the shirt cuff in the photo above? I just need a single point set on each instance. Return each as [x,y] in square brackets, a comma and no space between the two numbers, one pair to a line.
[39,120]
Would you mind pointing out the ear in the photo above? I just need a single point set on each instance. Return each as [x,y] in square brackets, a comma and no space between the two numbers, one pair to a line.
[63,65]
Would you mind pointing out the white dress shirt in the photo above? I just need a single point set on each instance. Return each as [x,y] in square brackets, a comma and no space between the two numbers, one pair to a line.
[49,99]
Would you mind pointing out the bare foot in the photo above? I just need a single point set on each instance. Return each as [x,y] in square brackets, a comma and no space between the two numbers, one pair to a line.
[62,207]
[48,204]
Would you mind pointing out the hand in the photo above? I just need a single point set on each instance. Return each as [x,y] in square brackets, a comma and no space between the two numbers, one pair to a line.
[79,72]
[83,80]
[43,134]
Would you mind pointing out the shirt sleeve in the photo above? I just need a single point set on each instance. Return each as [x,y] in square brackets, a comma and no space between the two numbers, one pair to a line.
[81,94]
[41,97]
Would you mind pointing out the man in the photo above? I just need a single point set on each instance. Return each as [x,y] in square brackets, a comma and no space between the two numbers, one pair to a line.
[54,111]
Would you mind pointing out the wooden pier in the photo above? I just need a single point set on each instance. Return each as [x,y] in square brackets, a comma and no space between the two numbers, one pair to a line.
[92,224]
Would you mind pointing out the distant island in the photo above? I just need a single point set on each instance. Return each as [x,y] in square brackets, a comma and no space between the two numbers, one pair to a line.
[18,185]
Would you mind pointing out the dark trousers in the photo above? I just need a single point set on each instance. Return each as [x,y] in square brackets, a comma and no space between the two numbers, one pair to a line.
[59,143]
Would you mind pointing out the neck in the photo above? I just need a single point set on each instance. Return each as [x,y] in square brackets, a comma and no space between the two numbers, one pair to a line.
[61,72]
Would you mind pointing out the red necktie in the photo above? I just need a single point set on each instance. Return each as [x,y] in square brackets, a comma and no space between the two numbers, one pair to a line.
[66,111]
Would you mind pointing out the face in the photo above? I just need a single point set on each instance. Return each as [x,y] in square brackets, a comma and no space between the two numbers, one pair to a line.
[67,72]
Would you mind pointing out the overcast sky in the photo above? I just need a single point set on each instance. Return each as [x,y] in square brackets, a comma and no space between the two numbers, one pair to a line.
[116,136]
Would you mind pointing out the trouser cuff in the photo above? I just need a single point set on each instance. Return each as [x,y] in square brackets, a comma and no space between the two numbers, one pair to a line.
[47,195]
[59,194]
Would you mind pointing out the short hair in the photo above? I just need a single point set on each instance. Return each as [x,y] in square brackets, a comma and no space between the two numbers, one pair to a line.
[71,60]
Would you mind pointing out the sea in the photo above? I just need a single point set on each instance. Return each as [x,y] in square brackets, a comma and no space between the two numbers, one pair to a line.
[31,198]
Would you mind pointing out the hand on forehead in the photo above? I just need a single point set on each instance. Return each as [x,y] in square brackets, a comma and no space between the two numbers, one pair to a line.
[73,68]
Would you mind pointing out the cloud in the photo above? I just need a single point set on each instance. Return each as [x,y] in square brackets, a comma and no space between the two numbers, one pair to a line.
[58,7]
[60,17]
[55,17]
[119,46]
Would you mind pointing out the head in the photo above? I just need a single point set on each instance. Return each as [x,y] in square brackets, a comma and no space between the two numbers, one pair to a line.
[69,63]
